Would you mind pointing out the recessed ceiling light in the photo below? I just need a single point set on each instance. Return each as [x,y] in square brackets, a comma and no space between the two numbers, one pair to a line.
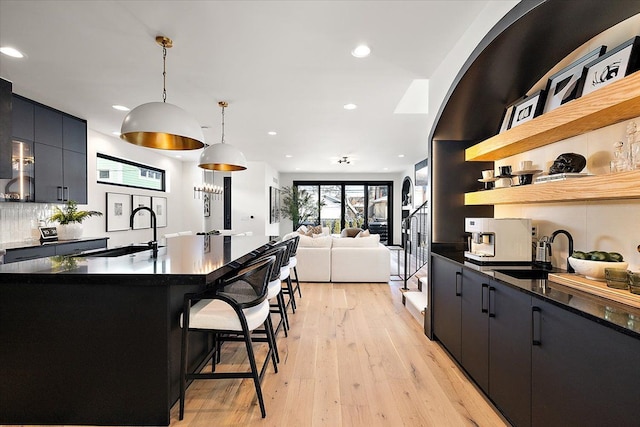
[400,155]
[288,156]
[361,51]
[272,133]
[116,133]
[385,169]
[120,108]
[350,106]
[12,52]
[178,156]
[297,169]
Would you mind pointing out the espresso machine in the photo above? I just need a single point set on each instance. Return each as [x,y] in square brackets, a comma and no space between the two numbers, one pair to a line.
[499,241]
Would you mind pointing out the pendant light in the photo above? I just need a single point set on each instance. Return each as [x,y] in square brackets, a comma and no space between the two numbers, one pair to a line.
[221,156]
[160,124]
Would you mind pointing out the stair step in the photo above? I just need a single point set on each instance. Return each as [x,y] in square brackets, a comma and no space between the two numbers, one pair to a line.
[416,302]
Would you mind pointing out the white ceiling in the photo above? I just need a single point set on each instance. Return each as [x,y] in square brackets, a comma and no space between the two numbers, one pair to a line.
[283,66]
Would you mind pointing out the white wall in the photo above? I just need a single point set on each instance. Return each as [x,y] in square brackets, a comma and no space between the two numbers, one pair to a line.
[250,199]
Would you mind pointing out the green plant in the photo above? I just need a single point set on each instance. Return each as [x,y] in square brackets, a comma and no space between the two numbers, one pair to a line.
[70,214]
[298,205]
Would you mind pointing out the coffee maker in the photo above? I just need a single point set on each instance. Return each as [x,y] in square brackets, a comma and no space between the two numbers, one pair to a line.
[499,241]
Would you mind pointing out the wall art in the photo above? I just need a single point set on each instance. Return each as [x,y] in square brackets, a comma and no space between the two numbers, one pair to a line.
[612,66]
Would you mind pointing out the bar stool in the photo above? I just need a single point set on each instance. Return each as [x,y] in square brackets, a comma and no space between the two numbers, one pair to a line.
[285,274]
[293,262]
[238,305]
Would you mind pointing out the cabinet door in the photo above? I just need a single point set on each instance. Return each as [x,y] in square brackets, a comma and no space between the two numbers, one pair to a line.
[447,283]
[510,352]
[22,118]
[77,247]
[24,254]
[583,373]
[475,327]
[48,126]
[74,134]
[48,173]
[75,176]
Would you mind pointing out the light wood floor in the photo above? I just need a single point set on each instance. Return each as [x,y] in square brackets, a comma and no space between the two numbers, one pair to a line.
[354,357]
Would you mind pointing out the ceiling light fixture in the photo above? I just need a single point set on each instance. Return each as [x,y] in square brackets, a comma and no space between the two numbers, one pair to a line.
[350,106]
[272,133]
[12,52]
[361,51]
[221,156]
[160,124]
[344,160]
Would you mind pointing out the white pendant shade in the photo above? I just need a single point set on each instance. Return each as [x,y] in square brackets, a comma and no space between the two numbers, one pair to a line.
[222,157]
[162,125]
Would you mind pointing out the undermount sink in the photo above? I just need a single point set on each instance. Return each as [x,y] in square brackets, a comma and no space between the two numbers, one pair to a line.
[525,274]
[125,250]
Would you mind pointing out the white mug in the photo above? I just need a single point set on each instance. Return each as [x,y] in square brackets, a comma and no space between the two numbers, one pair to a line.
[526,165]
[488,174]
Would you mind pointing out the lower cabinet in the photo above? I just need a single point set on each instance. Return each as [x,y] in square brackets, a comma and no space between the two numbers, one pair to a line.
[446,285]
[475,327]
[583,373]
[64,248]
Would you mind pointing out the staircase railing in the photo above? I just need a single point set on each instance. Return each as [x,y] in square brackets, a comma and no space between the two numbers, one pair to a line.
[415,241]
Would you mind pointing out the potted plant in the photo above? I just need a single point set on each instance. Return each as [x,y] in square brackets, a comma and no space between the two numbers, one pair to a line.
[298,205]
[70,220]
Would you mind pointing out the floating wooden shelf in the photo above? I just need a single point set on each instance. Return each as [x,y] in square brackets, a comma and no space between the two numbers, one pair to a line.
[612,104]
[621,185]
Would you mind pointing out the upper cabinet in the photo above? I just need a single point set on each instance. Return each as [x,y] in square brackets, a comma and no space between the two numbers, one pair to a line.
[612,104]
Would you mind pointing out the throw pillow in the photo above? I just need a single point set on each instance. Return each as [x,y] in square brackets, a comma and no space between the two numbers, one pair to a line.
[302,229]
[363,233]
[350,232]
[315,229]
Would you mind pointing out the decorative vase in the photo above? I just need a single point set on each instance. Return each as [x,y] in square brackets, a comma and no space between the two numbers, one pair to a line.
[70,231]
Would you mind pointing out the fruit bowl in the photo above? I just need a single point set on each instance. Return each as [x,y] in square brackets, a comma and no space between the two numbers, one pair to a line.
[594,270]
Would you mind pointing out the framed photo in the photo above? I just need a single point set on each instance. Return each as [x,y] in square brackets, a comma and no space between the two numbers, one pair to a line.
[613,66]
[508,116]
[527,108]
[118,211]
[207,204]
[159,206]
[274,205]
[566,84]
[142,218]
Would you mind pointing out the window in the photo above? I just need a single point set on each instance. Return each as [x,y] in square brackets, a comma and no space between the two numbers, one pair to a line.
[114,171]
[352,204]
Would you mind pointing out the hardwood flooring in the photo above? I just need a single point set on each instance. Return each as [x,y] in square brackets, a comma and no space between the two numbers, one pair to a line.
[354,357]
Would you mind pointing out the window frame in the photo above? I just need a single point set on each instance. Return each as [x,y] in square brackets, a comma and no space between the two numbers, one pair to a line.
[141,166]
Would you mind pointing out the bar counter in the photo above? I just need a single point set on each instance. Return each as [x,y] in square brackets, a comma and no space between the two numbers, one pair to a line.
[96,340]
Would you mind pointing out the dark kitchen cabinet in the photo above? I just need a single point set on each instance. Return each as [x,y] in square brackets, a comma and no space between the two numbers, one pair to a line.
[447,292]
[48,173]
[5,130]
[510,352]
[47,126]
[51,249]
[475,327]
[583,373]
[22,112]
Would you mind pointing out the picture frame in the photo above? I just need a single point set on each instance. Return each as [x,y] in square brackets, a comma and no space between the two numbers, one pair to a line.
[118,212]
[274,205]
[612,66]
[528,108]
[143,218]
[206,204]
[566,85]
[507,117]
[159,206]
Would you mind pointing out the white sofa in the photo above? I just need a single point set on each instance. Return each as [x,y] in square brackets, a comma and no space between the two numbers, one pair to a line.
[342,259]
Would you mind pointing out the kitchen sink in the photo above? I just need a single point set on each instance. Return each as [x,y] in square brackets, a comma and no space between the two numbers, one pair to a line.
[125,250]
[525,274]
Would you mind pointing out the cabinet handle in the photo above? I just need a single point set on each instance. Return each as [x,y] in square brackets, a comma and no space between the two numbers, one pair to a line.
[492,291]
[65,198]
[458,287]
[60,193]
[484,308]
[536,325]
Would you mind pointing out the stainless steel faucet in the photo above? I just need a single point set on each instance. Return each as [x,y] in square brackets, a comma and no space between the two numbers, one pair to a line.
[566,233]
[154,243]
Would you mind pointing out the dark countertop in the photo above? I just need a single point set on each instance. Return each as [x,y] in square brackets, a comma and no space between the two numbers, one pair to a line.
[197,256]
[621,317]
[37,243]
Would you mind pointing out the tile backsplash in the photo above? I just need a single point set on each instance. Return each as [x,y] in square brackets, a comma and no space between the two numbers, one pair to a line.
[19,221]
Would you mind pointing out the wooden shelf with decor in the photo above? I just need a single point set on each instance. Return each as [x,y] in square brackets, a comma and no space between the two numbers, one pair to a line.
[620,185]
[614,103]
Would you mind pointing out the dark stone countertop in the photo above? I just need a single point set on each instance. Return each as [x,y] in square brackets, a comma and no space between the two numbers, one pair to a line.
[621,317]
[201,258]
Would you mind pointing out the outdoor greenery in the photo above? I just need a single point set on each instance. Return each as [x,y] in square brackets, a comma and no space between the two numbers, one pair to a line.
[298,205]
[70,214]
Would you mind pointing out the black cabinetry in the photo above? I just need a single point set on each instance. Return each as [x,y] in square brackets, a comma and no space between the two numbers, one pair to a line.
[584,374]
[5,129]
[51,249]
[475,327]
[60,150]
[510,352]
[447,292]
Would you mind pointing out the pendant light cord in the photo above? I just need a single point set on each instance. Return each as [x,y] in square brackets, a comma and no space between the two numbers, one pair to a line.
[223,124]
[164,71]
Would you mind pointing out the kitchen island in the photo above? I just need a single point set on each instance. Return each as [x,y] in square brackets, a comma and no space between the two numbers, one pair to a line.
[96,340]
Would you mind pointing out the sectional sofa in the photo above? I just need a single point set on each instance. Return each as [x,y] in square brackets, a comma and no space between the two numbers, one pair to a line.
[326,258]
